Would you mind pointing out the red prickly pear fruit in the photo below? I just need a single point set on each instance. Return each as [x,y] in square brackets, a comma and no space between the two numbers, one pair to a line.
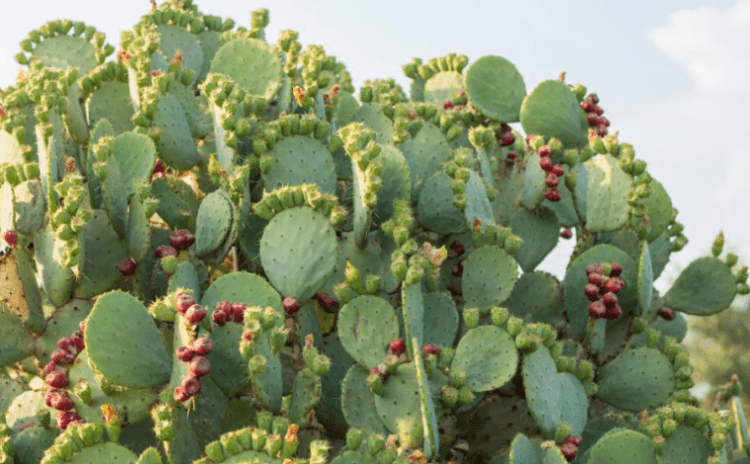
[458,271]
[552,180]
[61,402]
[180,394]
[248,336]
[291,305]
[158,169]
[182,239]
[545,151]
[77,341]
[588,106]
[51,367]
[202,346]
[51,396]
[616,270]
[594,98]
[577,441]
[238,311]
[447,104]
[598,110]
[185,354]
[327,303]
[597,309]
[504,128]
[56,379]
[596,279]
[62,357]
[225,307]
[165,250]
[667,313]
[66,418]
[192,385]
[430,349]
[553,194]
[594,269]
[591,291]
[199,366]
[546,164]
[613,284]
[601,130]
[609,299]
[558,170]
[11,237]
[66,344]
[219,318]
[508,139]
[593,118]
[569,451]
[458,248]
[126,267]
[603,122]
[397,346]
[195,314]
[182,302]
[377,371]
[613,312]
[566,233]
[512,155]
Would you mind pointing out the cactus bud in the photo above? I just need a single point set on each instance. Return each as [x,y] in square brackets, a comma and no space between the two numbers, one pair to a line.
[353,439]
[718,245]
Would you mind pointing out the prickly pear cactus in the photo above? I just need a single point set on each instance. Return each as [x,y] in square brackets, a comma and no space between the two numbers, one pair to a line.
[216,250]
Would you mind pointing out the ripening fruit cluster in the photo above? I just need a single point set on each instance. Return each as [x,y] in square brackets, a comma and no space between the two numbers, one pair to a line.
[198,366]
[602,291]
[594,114]
[554,171]
[570,447]
[227,312]
[56,377]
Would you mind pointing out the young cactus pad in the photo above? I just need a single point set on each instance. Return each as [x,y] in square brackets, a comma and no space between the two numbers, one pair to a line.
[215,249]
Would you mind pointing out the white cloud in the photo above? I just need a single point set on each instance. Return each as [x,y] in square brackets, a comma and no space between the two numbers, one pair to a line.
[713,45]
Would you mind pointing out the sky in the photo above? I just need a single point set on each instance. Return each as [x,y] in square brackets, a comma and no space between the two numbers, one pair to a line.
[673,77]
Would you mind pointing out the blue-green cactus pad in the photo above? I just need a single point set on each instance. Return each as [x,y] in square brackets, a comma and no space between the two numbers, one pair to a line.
[552,110]
[488,277]
[210,42]
[62,51]
[19,291]
[178,204]
[436,210]
[429,150]
[213,222]
[440,86]
[371,114]
[477,203]
[209,404]
[607,207]
[57,280]
[676,328]
[488,356]
[622,446]
[496,420]
[687,445]
[525,451]
[659,207]
[111,101]
[24,409]
[29,204]
[15,341]
[104,452]
[101,251]
[540,232]
[366,325]
[171,39]
[9,390]
[641,378]
[185,276]
[577,304]
[358,402]
[198,119]
[396,182]
[299,159]
[705,287]
[252,64]
[645,279]
[116,191]
[176,145]
[496,88]
[298,251]
[624,239]
[565,209]
[267,384]
[30,443]
[440,319]
[124,344]
[538,296]
[400,408]
[62,324]
[328,411]
[306,393]
[660,251]
[534,183]
[135,155]
[139,232]
[354,457]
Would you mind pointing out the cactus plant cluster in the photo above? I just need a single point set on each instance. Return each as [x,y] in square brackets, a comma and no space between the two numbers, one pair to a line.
[216,251]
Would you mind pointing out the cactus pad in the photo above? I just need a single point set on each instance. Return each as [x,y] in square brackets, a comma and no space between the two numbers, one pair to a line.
[496,88]
[714,293]
[488,356]
[367,324]
[488,277]
[622,446]
[638,379]
[358,403]
[552,110]
[251,63]
[540,232]
[606,205]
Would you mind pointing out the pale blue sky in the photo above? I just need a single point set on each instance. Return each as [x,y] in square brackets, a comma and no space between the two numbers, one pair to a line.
[673,77]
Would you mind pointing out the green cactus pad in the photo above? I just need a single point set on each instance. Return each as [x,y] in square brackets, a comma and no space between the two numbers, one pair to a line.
[252,64]
[328,411]
[124,344]
[705,287]
[104,452]
[298,251]
[688,445]
[176,146]
[371,114]
[494,422]
[9,390]
[488,277]
[660,209]
[440,319]
[540,232]
[24,408]
[429,150]
[565,209]
[101,251]
[622,446]
[135,155]
[213,222]
[209,404]
[210,42]
[441,86]
[15,341]
[174,38]
[178,204]
[267,385]
[645,279]
[30,443]
[366,325]
[676,328]
[436,210]
[400,408]
[552,110]
[577,304]
[525,451]
[184,447]
[139,232]
[19,291]
[305,396]
[57,280]
[185,276]
[660,251]
[200,123]
[638,379]
[496,88]
[241,287]
[396,182]
[488,356]
[62,324]
[116,191]
[358,402]
[29,204]
[111,101]
[477,203]
[299,159]
[624,239]
[534,183]
[606,205]
[61,51]
[510,184]
[354,457]
[538,296]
